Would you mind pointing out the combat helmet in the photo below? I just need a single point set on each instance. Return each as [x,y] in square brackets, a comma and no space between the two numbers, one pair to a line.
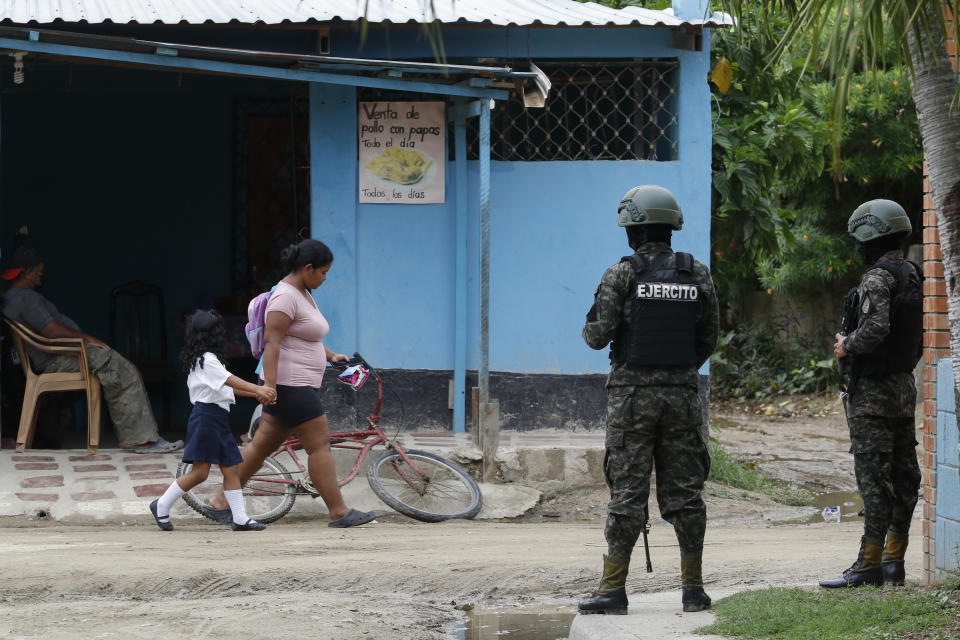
[876,219]
[650,204]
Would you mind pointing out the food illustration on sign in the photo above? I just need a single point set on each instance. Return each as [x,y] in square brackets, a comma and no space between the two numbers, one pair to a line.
[403,166]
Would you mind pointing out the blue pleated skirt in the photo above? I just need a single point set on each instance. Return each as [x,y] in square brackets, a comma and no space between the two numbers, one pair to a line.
[209,438]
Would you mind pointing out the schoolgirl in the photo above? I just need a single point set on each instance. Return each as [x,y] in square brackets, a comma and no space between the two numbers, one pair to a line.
[209,441]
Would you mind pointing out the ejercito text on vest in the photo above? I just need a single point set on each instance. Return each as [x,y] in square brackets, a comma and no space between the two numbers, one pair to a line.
[663,315]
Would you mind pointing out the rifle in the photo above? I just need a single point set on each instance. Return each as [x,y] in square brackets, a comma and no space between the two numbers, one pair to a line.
[646,542]
[847,365]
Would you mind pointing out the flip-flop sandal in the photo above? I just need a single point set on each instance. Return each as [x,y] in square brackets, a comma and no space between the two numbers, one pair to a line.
[353,518]
[161,447]
[166,526]
[221,516]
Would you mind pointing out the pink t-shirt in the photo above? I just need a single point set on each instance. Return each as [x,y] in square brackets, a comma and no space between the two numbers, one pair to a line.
[303,358]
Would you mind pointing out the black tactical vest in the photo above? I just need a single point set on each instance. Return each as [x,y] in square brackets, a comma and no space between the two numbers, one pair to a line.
[663,314]
[902,348]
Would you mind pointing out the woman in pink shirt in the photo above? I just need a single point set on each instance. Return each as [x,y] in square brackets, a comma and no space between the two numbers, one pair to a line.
[294,360]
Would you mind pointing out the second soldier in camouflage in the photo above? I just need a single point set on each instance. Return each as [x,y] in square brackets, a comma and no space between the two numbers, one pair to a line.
[883,320]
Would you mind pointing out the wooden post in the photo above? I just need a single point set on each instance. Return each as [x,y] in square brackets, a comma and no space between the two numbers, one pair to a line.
[475,414]
[490,438]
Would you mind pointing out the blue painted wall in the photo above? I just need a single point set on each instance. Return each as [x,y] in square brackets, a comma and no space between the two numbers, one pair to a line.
[138,185]
[947,527]
[553,224]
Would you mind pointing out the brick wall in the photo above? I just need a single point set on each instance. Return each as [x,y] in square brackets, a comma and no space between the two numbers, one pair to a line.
[936,345]
[936,342]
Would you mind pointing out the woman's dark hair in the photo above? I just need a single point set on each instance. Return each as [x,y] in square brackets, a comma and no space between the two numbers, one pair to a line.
[306,252]
[204,333]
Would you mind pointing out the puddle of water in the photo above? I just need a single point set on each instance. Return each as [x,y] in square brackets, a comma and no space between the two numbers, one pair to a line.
[850,504]
[526,623]
[827,437]
[775,458]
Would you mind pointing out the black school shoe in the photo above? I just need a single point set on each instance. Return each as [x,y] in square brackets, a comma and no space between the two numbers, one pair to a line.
[166,526]
[250,525]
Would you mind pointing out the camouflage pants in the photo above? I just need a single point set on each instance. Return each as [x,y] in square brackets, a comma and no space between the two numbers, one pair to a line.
[647,428]
[123,391]
[888,475]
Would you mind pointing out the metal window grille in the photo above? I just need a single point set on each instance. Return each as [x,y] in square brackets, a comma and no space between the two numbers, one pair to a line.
[615,110]
[595,111]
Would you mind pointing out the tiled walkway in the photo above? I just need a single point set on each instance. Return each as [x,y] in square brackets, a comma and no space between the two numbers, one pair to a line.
[95,483]
[115,482]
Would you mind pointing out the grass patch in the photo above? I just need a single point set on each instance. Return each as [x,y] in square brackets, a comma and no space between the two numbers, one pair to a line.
[864,614]
[732,470]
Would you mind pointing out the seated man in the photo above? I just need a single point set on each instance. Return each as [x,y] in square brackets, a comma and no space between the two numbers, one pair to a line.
[123,388]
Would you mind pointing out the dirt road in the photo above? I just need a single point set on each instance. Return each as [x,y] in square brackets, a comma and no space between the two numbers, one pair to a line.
[392,580]
[399,579]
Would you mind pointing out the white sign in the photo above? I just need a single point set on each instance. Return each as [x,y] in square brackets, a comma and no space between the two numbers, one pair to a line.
[402,152]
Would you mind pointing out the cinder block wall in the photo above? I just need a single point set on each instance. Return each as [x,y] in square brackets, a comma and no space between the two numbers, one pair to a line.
[947,526]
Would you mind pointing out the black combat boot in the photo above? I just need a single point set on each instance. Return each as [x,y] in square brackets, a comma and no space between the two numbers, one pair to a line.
[695,599]
[691,577]
[894,574]
[611,596]
[865,571]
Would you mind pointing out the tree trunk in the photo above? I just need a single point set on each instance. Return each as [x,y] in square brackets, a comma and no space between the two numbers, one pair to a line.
[934,85]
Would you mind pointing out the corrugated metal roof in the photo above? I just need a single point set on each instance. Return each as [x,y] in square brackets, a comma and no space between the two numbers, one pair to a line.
[438,78]
[491,12]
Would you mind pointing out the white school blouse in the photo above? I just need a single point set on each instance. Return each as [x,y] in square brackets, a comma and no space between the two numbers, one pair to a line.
[208,383]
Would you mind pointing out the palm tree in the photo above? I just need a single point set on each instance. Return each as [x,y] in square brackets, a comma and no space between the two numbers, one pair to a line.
[848,34]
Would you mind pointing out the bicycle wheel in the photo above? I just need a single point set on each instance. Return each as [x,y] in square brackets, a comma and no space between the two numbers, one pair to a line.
[444,491]
[268,495]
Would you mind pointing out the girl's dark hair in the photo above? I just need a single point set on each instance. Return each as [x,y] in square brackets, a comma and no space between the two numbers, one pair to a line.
[305,252]
[204,333]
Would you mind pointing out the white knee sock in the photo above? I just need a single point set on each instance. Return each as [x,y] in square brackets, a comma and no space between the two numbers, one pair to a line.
[237,507]
[165,502]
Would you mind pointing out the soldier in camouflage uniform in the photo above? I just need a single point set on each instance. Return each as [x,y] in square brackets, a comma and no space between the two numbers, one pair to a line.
[879,348]
[659,309]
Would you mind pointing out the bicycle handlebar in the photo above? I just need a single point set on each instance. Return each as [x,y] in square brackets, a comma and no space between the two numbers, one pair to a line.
[356,359]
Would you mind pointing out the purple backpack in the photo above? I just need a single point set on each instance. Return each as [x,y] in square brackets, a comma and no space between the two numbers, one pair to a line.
[256,318]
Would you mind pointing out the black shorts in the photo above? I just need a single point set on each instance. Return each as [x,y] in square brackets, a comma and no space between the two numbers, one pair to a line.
[295,405]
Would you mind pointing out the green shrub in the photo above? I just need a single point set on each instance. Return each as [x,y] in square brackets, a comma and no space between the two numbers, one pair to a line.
[733,471]
[764,359]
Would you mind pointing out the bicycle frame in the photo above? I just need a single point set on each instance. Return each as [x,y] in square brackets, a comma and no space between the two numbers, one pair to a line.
[362,440]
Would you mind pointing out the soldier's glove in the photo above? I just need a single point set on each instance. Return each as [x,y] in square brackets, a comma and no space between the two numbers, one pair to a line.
[592,314]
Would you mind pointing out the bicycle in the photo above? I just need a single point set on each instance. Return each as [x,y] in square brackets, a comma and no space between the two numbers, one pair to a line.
[418,484]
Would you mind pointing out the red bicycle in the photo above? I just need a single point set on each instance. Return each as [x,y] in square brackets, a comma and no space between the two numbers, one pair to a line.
[418,484]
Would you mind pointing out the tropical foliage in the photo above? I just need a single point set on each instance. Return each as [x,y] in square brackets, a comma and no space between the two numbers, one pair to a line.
[839,37]
[779,207]
[779,212]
